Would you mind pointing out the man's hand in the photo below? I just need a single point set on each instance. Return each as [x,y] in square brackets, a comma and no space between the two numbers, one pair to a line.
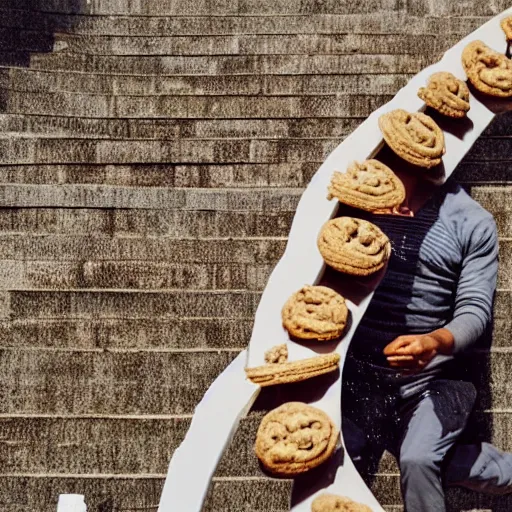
[413,352]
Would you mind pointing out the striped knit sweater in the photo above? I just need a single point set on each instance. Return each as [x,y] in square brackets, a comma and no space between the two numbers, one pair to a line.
[441,273]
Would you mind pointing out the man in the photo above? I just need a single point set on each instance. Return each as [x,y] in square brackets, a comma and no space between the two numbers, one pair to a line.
[434,302]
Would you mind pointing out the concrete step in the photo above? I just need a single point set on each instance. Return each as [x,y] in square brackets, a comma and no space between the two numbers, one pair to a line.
[234,65]
[249,44]
[24,125]
[128,305]
[107,383]
[144,222]
[192,107]
[19,150]
[220,175]
[129,492]
[272,200]
[50,126]
[425,8]
[23,150]
[126,493]
[141,333]
[151,333]
[216,175]
[191,211]
[89,247]
[29,125]
[132,275]
[122,493]
[259,494]
[86,445]
[21,79]
[202,7]
[313,23]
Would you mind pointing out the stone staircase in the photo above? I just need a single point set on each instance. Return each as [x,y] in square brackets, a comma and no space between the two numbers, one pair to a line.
[151,158]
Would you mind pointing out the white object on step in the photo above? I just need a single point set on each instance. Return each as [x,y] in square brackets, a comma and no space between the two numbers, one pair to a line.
[71,503]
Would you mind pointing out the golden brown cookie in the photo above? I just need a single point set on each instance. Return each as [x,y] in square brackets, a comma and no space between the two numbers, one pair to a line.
[446,94]
[415,137]
[295,371]
[334,503]
[506,25]
[277,354]
[294,438]
[370,186]
[315,313]
[353,246]
[490,72]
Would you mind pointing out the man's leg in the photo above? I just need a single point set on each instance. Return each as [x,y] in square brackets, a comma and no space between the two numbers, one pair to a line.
[480,467]
[368,416]
[432,420]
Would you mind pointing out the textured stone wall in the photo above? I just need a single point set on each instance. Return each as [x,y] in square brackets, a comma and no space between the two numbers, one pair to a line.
[152,154]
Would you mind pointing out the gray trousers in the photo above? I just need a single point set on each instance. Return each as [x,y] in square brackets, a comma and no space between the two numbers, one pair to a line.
[420,423]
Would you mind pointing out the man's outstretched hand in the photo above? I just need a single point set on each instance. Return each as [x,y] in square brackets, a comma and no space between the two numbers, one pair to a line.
[414,351]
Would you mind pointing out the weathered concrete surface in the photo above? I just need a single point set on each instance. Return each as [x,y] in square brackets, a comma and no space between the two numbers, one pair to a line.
[152,155]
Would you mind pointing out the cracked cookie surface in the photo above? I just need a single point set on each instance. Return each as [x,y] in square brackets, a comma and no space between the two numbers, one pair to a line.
[370,186]
[294,438]
[353,246]
[415,137]
[446,94]
[315,312]
[488,71]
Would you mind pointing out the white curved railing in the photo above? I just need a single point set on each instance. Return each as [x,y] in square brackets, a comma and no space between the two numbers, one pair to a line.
[231,395]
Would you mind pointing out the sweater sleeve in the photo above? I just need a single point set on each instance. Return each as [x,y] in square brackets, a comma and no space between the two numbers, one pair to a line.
[476,286]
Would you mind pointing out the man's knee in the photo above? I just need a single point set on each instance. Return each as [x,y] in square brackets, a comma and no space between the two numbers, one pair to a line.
[418,462]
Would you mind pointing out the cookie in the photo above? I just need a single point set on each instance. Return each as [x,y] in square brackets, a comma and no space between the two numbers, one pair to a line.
[446,94]
[295,371]
[315,313]
[353,246]
[506,25]
[334,503]
[370,186]
[488,71]
[277,354]
[415,137]
[295,438]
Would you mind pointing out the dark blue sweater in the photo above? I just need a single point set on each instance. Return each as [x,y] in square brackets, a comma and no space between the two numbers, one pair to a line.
[441,273]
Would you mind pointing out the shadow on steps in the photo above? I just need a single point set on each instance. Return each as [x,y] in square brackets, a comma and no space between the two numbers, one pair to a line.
[26,29]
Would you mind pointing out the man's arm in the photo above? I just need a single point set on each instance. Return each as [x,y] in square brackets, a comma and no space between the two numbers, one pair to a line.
[476,287]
